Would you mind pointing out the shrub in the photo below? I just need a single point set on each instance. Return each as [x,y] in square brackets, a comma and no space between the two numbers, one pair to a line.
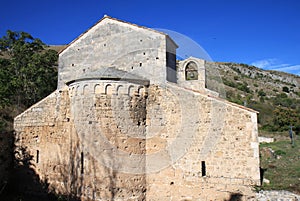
[244,87]
[280,152]
[285,89]
[261,93]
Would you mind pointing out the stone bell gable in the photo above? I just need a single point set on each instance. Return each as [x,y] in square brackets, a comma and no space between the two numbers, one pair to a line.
[129,122]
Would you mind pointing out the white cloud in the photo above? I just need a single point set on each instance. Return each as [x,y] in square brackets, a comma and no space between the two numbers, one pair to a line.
[294,69]
[275,64]
[265,64]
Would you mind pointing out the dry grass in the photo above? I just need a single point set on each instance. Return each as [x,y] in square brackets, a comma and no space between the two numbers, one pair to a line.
[282,163]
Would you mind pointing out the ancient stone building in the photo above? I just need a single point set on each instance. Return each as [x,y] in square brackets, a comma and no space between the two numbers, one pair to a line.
[128,122]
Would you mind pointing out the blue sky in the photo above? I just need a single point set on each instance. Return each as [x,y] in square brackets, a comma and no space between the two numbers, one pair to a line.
[265,33]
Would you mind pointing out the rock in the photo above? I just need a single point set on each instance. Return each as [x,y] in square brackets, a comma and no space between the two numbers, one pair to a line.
[266,181]
[276,195]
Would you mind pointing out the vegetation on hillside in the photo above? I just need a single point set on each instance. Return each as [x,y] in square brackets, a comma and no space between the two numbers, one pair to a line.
[274,95]
[27,74]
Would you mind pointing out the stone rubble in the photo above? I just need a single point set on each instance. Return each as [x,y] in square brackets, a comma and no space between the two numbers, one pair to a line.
[277,196]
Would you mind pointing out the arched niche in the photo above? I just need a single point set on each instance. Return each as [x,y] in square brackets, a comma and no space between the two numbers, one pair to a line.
[97,89]
[108,89]
[191,71]
[85,89]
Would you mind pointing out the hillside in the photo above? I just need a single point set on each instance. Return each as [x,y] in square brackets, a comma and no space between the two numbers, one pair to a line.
[275,95]
[57,48]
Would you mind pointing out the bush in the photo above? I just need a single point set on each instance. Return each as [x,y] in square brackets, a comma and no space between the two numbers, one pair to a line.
[261,99]
[244,87]
[261,93]
[280,152]
[285,89]
[283,100]
[269,127]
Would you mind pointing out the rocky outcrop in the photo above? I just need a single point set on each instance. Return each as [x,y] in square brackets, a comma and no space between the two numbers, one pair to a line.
[280,78]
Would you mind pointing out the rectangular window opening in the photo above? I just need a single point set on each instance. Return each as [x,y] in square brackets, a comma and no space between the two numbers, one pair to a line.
[203,168]
[37,156]
[82,160]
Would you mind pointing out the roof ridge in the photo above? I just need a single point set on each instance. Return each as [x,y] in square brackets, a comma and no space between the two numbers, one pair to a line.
[110,73]
[118,20]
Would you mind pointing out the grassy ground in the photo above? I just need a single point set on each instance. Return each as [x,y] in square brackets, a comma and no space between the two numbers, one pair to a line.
[281,162]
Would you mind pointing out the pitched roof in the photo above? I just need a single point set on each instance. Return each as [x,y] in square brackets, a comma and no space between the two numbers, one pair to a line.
[118,20]
[111,73]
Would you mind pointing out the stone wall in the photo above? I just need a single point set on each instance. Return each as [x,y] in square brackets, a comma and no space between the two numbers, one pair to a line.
[77,149]
[116,140]
[117,44]
[43,141]
[213,149]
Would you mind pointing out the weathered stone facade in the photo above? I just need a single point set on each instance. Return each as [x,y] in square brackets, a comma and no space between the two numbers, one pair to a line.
[124,124]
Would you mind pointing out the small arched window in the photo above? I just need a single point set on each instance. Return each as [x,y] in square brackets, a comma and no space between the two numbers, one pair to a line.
[191,71]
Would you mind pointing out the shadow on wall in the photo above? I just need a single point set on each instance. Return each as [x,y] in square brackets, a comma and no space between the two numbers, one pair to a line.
[235,197]
[6,158]
[24,184]
[75,179]
[262,173]
[73,176]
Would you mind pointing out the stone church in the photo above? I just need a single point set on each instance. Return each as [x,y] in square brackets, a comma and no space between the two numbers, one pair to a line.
[129,122]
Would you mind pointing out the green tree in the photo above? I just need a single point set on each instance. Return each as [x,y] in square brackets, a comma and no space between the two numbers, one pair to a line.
[284,117]
[27,69]
[27,73]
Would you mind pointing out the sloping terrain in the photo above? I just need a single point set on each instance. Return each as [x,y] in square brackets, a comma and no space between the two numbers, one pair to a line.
[275,95]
